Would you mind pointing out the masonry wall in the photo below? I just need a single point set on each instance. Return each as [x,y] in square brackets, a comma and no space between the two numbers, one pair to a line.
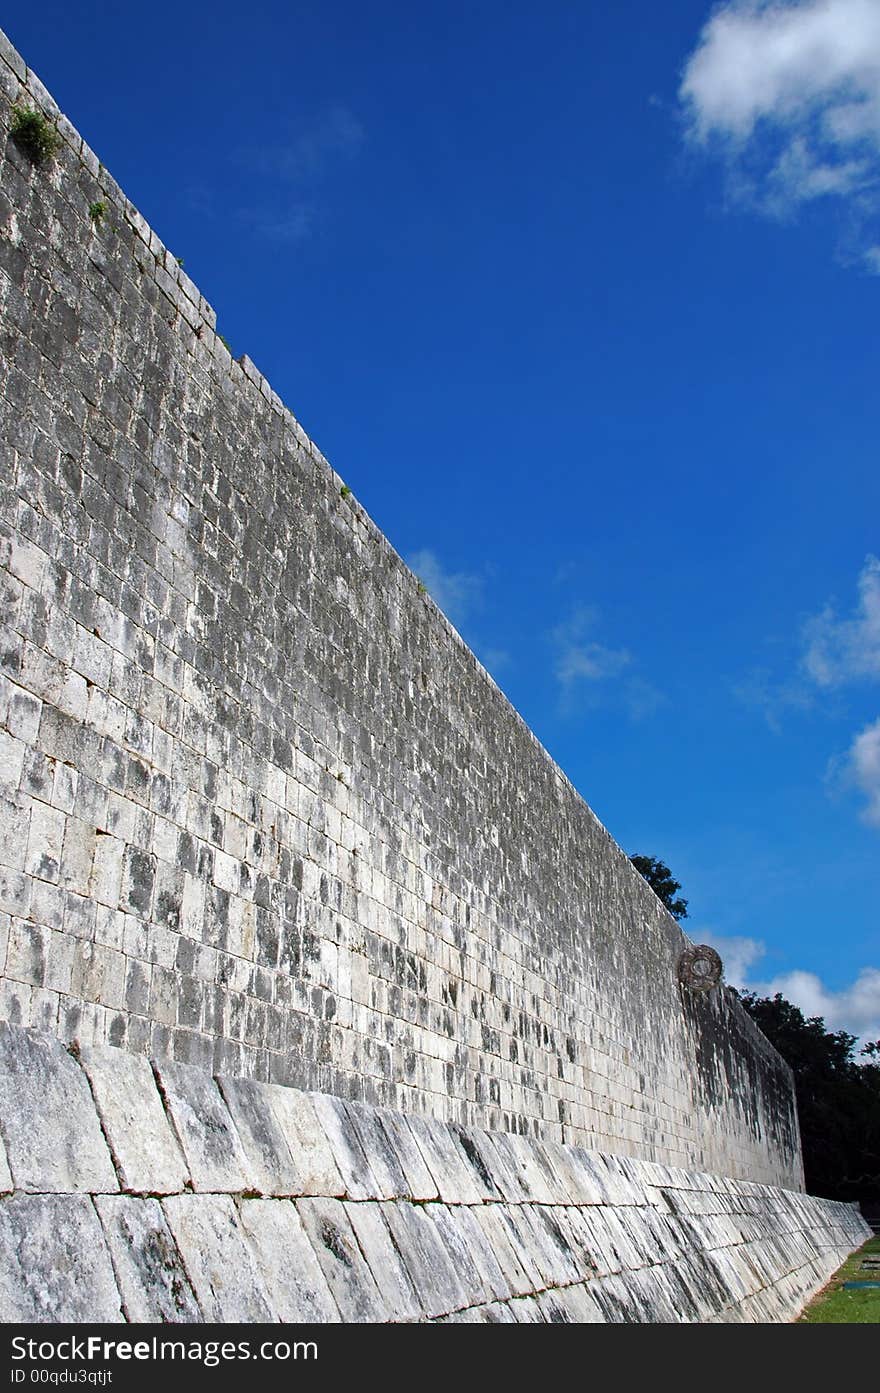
[263,811]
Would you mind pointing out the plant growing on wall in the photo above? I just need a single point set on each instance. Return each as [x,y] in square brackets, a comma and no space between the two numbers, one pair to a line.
[33,134]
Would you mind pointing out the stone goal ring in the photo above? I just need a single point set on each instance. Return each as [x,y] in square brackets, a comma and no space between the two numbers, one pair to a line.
[699,968]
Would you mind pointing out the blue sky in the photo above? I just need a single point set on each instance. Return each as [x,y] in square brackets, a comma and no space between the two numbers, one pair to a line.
[582,301]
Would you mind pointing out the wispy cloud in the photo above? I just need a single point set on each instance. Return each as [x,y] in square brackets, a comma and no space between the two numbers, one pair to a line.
[854,1008]
[846,650]
[787,93]
[293,166]
[580,657]
[775,700]
[296,222]
[585,668]
[457,593]
[834,651]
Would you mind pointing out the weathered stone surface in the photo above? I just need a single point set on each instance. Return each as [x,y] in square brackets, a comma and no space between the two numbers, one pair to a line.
[384,1163]
[152,1280]
[6,1184]
[458,1236]
[520,1276]
[214,1154]
[338,1126]
[54,1263]
[703,1248]
[147,1155]
[446,1161]
[429,1261]
[217,1257]
[384,1259]
[336,1248]
[420,1183]
[309,1148]
[270,1164]
[48,1118]
[287,1262]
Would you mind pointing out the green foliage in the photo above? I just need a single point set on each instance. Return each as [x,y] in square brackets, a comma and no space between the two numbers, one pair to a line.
[838,1098]
[97,212]
[34,134]
[659,877]
[179,260]
[344,491]
[422,588]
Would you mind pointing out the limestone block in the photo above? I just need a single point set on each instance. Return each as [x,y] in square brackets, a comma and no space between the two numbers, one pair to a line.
[420,1183]
[553,1244]
[428,1259]
[287,1262]
[310,1150]
[386,1263]
[48,1118]
[214,1154]
[445,1160]
[54,1263]
[385,1165]
[490,1220]
[528,1245]
[217,1257]
[147,1154]
[579,1239]
[336,1248]
[491,1175]
[270,1163]
[152,1279]
[532,1162]
[472,1258]
[339,1129]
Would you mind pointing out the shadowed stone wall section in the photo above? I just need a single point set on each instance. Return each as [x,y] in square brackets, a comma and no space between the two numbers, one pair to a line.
[261,809]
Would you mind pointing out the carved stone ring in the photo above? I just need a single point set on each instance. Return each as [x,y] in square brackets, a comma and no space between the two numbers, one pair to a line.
[699,968]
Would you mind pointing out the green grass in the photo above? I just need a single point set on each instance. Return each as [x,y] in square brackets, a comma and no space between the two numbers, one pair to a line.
[834,1306]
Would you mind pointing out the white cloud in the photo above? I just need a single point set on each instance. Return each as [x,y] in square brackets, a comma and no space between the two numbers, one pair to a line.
[788,91]
[738,953]
[854,1008]
[863,769]
[580,658]
[586,668]
[457,593]
[846,650]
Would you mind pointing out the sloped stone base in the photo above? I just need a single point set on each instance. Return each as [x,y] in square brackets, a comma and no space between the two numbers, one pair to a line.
[150,1191]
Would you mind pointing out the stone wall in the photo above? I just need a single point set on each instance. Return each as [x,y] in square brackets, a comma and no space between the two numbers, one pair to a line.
[262,810]
[160,1194]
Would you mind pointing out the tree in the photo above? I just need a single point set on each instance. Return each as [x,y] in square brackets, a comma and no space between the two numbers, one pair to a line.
[659,877]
